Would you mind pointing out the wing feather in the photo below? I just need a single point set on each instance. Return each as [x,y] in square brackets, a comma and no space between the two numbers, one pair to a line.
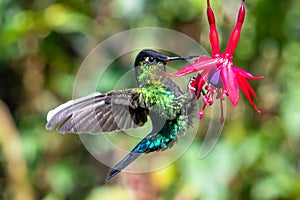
[112,111]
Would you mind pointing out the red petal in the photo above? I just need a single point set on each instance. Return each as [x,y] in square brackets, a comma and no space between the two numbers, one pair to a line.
[230,83]
[248,91]
[202,63]
[213,33]
[246,74]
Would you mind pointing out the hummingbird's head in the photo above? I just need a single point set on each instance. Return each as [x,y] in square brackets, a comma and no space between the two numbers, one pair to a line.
[150,66]
[150,57]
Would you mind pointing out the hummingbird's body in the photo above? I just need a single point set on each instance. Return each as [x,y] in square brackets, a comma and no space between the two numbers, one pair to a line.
[157,95]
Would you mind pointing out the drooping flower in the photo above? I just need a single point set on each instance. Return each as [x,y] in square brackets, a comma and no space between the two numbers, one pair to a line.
[217,75]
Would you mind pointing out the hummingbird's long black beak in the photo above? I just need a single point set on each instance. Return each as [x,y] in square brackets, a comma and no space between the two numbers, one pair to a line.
[169,59]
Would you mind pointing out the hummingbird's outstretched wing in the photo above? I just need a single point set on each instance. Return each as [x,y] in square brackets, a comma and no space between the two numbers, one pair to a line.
[113,111]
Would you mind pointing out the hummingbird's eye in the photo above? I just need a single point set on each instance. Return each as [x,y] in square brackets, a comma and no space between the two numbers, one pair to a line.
[150,59]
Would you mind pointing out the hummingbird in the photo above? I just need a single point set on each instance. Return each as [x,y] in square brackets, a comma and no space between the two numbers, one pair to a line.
[157,97]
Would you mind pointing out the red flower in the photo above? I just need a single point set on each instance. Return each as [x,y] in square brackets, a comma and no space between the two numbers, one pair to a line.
[218,71]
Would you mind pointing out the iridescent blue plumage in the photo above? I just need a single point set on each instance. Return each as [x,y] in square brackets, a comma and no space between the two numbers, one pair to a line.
[155,141]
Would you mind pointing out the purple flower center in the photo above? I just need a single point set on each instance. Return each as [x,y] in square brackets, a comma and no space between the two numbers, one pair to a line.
[214,78]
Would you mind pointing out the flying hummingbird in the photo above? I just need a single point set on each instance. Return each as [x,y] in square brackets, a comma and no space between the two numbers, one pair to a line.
[157,96]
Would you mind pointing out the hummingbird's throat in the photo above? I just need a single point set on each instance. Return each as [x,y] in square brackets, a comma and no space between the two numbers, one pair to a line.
[150,74]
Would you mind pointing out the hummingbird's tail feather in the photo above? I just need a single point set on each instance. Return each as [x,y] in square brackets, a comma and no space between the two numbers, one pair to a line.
[154,141]
[122,164]
[132,156]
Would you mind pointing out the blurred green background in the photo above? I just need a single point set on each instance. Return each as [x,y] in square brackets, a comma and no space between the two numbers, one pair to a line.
[43,42]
